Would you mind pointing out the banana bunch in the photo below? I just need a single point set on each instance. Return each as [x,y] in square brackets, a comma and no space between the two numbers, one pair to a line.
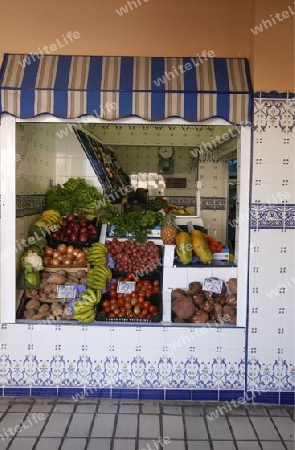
[98,276]
[51,216]
[84,310]
[97,254]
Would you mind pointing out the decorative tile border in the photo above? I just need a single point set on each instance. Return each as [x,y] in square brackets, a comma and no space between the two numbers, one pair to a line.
[274,113]
[213,203]
[28,205]
[182,201]
[272,216]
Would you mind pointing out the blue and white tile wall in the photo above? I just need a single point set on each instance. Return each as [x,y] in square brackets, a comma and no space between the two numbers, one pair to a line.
[271,356]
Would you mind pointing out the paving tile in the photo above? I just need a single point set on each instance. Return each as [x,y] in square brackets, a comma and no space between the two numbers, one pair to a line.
[241,410]
[33,424]
[11,420]
[103,425]
[129,408]
[219,429]
[195,428]
[200,445]
[285,426]
[193,410]
[108,406]
[4,443]
[22,443]
[80,425]
[151,444]
[174,445]
[267,445]
[277,411]
[265,429]
[63,408]
[56,425]
[172,409]
[20,407]
[257,410]
[149,426]
[74,444]
[127,426]
[3,407]
[248,445]
[48,444]
[222,445]
[99,444]
[242,428]
[87,409]
[289,445]
[150,407]
[126,444]
[41,407]
[173,427]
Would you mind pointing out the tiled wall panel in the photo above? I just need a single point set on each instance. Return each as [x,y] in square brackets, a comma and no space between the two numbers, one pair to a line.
[271,333]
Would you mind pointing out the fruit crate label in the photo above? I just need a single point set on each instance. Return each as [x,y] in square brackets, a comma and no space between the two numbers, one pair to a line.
[65,291]
[126,287]
[212,285]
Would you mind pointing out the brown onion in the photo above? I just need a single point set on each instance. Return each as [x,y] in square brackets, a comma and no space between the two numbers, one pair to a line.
[70,249]
[48,251]
[55,262]
[46,260]
[67,262]
[55,254]
[62,248]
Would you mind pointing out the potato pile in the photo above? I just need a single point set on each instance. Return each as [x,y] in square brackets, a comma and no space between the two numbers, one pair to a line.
[36,310]
[50,281]
[198,306]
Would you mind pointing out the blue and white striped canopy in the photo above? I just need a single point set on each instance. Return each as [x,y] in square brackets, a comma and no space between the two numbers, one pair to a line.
[109,87]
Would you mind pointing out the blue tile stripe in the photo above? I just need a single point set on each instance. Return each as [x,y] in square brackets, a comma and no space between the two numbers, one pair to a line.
[28,205]
[230,395]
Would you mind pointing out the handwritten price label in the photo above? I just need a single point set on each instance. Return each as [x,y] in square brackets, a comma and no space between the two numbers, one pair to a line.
[213,285]
[65,291]
[126,287]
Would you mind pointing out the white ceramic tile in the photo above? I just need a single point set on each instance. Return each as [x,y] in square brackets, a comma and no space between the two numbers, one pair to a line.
[98,336]
[175,278]
[231,338]
[67,334]
[17,335]
[195,274]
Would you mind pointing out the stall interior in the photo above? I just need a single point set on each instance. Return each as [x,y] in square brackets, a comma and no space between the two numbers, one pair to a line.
[185,168]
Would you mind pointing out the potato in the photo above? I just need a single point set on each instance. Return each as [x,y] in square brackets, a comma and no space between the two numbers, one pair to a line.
[183,307]
[178,320]
[232,285]
[229,311]
[195,287]
[176,293]
[56,309]
[199,300]
[208,305]
[207,294]
[231,299]
[44,307]
[29,314]
[40,315]
[81,274]
[219,299]
[31,293]
[62,272]
[56,278]
[200,317]
[32,304]
[83,280]
[217,309]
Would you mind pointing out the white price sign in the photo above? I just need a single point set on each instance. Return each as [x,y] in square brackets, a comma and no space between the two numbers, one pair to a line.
[213,285]
[65,291]
[126,287]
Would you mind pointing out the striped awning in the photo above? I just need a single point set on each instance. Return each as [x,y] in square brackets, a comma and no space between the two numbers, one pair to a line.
[109,87]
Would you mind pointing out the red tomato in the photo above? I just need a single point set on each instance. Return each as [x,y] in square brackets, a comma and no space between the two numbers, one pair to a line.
[155,289]
[121,302]
[144,312]
[116,310]
[120,314]
[127,297]
[113,293]
[148,293]
[107,309]
[113,286]
[113,301]
[131,315]
[144,288]
[156,282]
[129,276]
[127,305]
[105,303]
[112,314]
[123,310]
[146,304]
[152,309]
[133,294]
[120,295]
[142,293]
[138,285]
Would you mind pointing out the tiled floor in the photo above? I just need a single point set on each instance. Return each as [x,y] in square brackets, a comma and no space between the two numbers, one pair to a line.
[28,423]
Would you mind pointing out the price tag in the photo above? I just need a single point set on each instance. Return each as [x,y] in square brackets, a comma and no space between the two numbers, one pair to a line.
[65,291]
[126,287]
[213,285]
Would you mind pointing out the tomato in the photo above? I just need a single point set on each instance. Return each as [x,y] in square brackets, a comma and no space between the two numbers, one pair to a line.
[113,301]
[136,310]
[105,303]
[138,285]
[134,301]
[120,314]
[121,302]
[107,309]
[147,283]
[113,286]
[156,282]
[144,288]
[142,293]
[116,310]
[155,289]
[148,316]
[146,304]
[133,294]
[127,297]
[120,295]
[112,314]
[144,312]
[152,309]
[131,315]
[127,305]
[129,276]
[113,293]
[123,310]
[148,293]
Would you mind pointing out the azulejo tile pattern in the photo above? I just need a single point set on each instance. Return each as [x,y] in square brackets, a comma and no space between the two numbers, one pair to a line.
[27,205]
[272,216]
[274,112]
[213,203]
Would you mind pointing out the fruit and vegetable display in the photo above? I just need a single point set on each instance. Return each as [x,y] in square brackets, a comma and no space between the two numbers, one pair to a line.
[64,255]
[159,203]
[196,305]
[36,310]
[133,256]
[169,229]
[75,230]
[141,304]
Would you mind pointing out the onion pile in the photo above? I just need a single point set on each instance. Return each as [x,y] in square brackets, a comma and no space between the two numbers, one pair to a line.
[67,255]
[132,256]
[74,229]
